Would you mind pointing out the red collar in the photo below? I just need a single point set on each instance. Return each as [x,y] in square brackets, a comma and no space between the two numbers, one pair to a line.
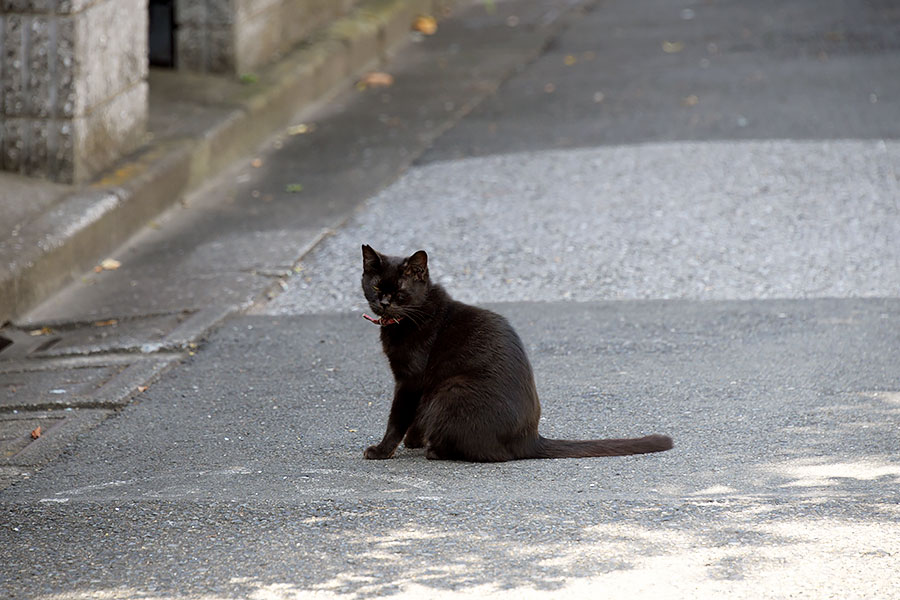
[383,322]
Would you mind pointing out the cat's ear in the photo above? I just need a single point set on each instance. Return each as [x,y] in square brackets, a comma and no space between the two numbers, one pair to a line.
[371,259]
[417,265]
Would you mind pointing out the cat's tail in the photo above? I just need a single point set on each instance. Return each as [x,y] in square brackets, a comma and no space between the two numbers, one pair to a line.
[545,448]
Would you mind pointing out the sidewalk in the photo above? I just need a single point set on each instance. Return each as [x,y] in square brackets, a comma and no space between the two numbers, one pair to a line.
[198,125]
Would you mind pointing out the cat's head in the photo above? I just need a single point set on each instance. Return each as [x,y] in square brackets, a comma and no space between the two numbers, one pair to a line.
[394,286]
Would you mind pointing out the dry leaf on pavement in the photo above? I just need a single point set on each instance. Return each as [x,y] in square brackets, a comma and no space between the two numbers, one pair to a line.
[300,129]
[672,47]
[108,264]
[36,432]
[376,79]
[425,24]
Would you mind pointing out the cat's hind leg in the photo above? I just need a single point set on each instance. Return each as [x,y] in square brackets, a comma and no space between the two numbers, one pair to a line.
[415,438]
[458,428]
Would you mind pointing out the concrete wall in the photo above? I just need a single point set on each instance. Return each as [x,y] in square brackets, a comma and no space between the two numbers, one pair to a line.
[73,85]
[237,36]
[73,73]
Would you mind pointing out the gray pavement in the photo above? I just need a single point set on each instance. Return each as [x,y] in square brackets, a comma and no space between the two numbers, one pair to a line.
[698,220]
[240,475]
[723,269]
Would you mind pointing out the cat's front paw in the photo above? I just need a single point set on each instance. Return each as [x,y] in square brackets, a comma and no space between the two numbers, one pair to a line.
[377,453]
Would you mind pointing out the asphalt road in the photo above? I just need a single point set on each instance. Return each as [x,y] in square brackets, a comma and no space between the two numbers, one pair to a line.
[690,214]
[240,474]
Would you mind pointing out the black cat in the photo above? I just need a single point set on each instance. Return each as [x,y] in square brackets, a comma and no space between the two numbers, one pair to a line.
[464,388]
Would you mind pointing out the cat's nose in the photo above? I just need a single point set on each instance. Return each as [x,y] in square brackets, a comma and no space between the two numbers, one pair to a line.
[385,301]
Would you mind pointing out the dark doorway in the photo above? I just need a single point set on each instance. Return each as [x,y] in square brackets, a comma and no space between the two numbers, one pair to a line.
[162,33]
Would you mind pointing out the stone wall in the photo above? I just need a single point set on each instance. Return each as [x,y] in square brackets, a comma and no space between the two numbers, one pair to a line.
[73,73]
[237,36]
[73,84]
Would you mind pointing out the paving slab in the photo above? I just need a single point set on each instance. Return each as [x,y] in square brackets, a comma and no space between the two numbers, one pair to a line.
[107,381]
[30,439]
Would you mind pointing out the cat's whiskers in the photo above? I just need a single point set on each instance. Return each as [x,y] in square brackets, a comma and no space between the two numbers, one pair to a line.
[416,315]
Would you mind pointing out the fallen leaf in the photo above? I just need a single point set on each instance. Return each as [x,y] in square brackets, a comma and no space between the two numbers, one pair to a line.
[36,432]
[293,188]
[570,60]
[425,24]
[41,331]
[300,129]
[256,163]
[691,100]
[109,264]
[549,88]
[376,79]
[106,323]
[672,47]
[143,388]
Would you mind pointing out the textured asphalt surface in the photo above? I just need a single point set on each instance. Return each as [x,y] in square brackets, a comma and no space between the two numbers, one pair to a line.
[241,474]
[714,220]
[721,269]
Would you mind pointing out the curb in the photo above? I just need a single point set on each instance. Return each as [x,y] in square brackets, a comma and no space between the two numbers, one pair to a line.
[87,224]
